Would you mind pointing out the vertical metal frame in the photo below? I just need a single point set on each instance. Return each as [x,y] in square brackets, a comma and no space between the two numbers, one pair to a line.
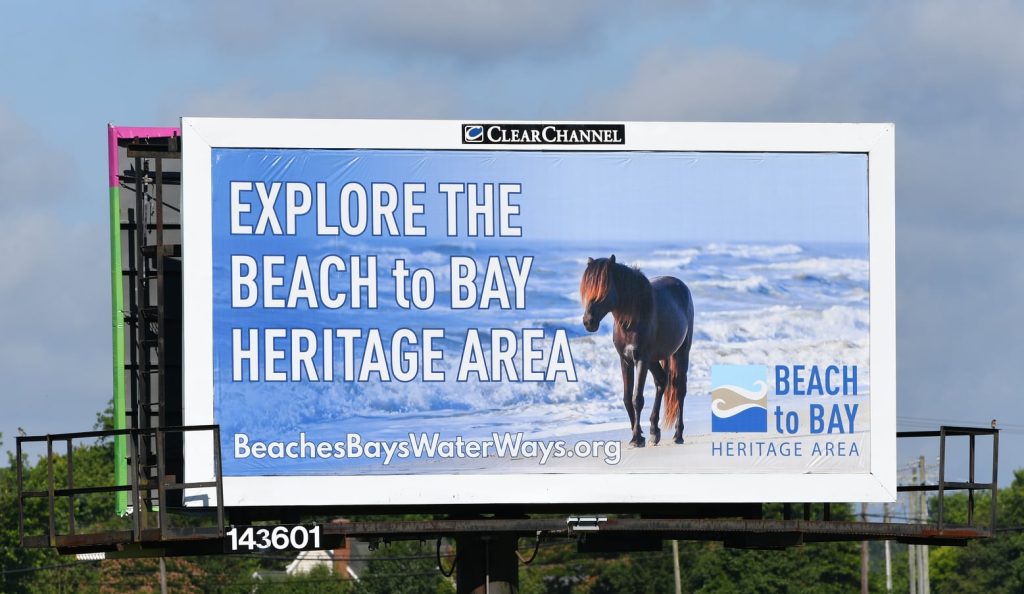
[122,401]
[21,488]
[942,485]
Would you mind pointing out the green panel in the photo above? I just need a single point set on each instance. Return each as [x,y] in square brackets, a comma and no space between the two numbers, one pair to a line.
[117,320]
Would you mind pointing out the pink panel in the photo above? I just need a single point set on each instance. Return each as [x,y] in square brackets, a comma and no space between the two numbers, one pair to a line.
[115,132]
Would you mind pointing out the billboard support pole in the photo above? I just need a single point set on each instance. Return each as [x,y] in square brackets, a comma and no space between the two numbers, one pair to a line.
[486,563]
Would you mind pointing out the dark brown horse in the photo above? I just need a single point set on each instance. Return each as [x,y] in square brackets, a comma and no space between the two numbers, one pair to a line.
[653,332]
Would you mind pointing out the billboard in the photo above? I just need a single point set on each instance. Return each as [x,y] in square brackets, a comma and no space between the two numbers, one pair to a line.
[445,312]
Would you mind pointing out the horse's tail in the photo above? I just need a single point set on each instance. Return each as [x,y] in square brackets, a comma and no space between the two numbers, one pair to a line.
[671,396]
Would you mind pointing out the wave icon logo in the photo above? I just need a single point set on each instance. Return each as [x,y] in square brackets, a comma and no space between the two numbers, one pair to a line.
[739,399]
[472,133]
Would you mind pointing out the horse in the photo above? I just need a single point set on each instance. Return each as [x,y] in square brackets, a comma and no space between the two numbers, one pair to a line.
[653,331]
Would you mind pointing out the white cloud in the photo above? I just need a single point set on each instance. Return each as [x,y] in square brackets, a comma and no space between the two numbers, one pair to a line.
[717,84]
[463,27]
[26,167]
[336,95]
[465,31]
[947,74]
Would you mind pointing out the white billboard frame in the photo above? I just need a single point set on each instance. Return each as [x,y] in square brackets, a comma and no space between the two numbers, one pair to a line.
[201,135]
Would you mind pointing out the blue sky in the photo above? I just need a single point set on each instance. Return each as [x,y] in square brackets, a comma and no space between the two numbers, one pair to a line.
[947,73]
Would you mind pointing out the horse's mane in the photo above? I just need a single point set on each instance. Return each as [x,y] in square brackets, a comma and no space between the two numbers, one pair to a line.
[594,284]
[634,290]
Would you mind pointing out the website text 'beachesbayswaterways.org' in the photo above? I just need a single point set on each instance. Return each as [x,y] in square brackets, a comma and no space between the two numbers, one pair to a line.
[428,445]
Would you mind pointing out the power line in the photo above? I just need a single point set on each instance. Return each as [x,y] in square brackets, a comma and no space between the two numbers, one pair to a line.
[930,422]
[958,422]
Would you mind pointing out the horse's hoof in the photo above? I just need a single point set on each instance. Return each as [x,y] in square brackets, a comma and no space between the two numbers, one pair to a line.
[655,437]
[678,439]
[638,442]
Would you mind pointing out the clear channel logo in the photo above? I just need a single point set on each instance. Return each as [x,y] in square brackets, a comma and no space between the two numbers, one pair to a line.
[523,133]
[739,399]
[472,133]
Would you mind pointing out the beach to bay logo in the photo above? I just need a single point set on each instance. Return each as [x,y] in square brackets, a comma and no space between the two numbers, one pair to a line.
[739,399]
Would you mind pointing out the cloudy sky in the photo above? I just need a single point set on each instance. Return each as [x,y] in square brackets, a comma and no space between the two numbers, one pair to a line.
[949,74]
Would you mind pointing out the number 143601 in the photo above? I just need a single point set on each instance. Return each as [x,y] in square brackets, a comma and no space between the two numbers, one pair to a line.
[278,538]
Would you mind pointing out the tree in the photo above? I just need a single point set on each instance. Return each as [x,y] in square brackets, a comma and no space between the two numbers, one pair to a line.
[706,567]
[403,567]
[989,566]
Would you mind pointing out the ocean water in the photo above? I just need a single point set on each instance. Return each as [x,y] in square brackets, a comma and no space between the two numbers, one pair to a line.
[754,304]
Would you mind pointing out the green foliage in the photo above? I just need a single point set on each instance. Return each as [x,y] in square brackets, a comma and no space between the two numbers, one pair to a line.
[405,567]
[990,566]
[637,574]
[44,570]
[705,567]
[317,581]
[818,567]
[831,567]
[92,467]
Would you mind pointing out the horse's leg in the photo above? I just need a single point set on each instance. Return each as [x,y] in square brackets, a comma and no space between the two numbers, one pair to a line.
[682,368]
[627,392]
[638,403]
[660,381]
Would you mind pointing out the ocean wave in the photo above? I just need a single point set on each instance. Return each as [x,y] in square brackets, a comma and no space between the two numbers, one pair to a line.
[822,268]
[419,257]
[857,294]
[718,405]
[751,251]
[751,284]
[740,394]
[666,260]
[678,253]
[784,323]
[663,263]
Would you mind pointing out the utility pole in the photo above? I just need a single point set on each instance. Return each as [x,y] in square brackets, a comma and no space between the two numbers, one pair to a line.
[888,554]
[865,561]
[163,576]
[486,564]
[675,566]
[925,586]
[912,549]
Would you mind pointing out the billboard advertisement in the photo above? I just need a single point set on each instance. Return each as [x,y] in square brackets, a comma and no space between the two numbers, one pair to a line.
[438,312]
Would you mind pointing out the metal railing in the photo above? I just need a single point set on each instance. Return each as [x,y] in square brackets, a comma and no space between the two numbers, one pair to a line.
[140,488]
[742,525]
[972,433]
